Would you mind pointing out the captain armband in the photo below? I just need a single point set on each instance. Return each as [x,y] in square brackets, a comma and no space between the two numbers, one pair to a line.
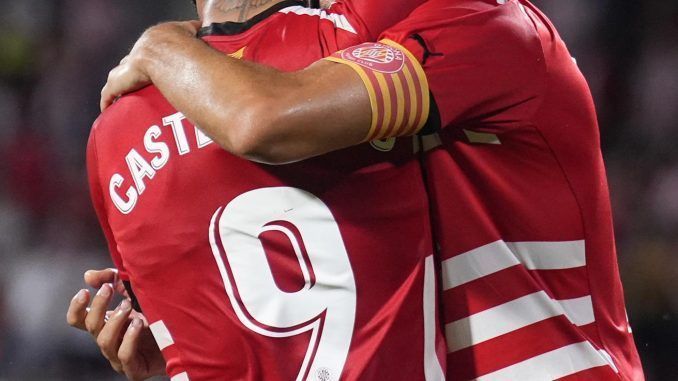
[396,84]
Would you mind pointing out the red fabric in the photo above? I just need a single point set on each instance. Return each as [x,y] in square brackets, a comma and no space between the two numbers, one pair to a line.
[98,201]
[503,71]
[599,373]
[374,16]
[376,198]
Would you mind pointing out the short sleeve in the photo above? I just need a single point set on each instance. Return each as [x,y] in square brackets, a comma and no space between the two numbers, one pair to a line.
[98,201]
[483,65]
[375,16]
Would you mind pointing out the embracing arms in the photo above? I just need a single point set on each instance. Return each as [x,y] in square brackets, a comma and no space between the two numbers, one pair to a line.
[250,110]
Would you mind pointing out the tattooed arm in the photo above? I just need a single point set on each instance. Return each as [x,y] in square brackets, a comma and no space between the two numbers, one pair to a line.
[237,10]
[263,125]
[278,117]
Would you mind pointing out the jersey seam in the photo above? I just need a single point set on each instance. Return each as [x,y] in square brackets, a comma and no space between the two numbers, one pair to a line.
[545,87]
[98,173]
[584,228]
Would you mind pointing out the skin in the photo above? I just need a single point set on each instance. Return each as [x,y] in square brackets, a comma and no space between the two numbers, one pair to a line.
[263,126]
[122,334]
[325,108]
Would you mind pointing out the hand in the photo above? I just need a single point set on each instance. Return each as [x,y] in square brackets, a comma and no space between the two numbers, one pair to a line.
[122,335]
[128,76]
[132,73]
[97,278]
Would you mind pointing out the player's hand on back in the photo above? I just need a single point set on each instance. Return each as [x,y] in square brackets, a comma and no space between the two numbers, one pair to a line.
[97,278]
[122,334]
[132,74]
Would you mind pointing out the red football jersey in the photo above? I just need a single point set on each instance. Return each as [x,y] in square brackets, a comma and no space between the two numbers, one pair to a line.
[521,205]
[320,270]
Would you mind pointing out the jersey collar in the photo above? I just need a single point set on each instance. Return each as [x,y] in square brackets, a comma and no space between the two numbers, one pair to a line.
[230,28]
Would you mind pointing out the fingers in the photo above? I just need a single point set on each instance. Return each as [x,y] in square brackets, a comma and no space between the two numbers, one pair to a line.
[107,96]
[77,310]
[194,26]
[132,74]
[97,278]
[109,338]
[125,78]
[109,327]
[111,92]
[189,28]
[94,321]
[127,354]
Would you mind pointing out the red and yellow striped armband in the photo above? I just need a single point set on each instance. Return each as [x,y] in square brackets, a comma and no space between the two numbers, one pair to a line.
[396,84]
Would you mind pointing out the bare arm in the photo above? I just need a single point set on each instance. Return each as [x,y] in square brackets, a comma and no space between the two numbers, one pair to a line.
[250,110]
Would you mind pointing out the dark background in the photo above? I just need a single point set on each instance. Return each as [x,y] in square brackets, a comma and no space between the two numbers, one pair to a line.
[54,58]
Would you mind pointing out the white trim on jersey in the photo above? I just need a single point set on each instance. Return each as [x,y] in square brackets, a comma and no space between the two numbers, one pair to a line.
[180,377]
[514,315]
[500,255]
[500,320]
[550,255]
[161,334]
[524,311]
[476,264]
[609,359]
[579,310]
[551,365]
[432,369]
[339,21]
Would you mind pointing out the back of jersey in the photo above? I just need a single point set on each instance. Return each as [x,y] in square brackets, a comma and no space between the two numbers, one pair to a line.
[521,210]
[320,270]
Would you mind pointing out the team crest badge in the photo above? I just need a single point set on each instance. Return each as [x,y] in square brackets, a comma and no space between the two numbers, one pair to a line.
[375,56]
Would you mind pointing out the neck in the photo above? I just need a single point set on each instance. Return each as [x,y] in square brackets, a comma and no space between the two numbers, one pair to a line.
[219,11]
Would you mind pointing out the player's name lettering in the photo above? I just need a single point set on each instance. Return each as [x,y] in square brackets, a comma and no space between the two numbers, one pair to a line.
[140,168]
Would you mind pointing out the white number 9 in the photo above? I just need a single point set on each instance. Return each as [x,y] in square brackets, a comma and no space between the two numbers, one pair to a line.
[326,305]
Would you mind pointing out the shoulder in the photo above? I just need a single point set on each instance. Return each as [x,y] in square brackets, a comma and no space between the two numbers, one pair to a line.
[485,34]
[489,20]
[129,111]
[338,16]
[297,36]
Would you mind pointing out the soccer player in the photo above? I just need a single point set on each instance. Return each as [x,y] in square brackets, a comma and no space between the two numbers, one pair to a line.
[520,201]
[321,270]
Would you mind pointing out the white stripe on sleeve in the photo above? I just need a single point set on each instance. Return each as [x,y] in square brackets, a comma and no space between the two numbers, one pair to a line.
[476,264]
[514,315]
[500,255]
[579,310]
[550,255]
[161,334]
[552,365]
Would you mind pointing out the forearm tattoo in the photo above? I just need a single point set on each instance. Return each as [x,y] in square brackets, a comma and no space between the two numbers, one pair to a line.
[242,5]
